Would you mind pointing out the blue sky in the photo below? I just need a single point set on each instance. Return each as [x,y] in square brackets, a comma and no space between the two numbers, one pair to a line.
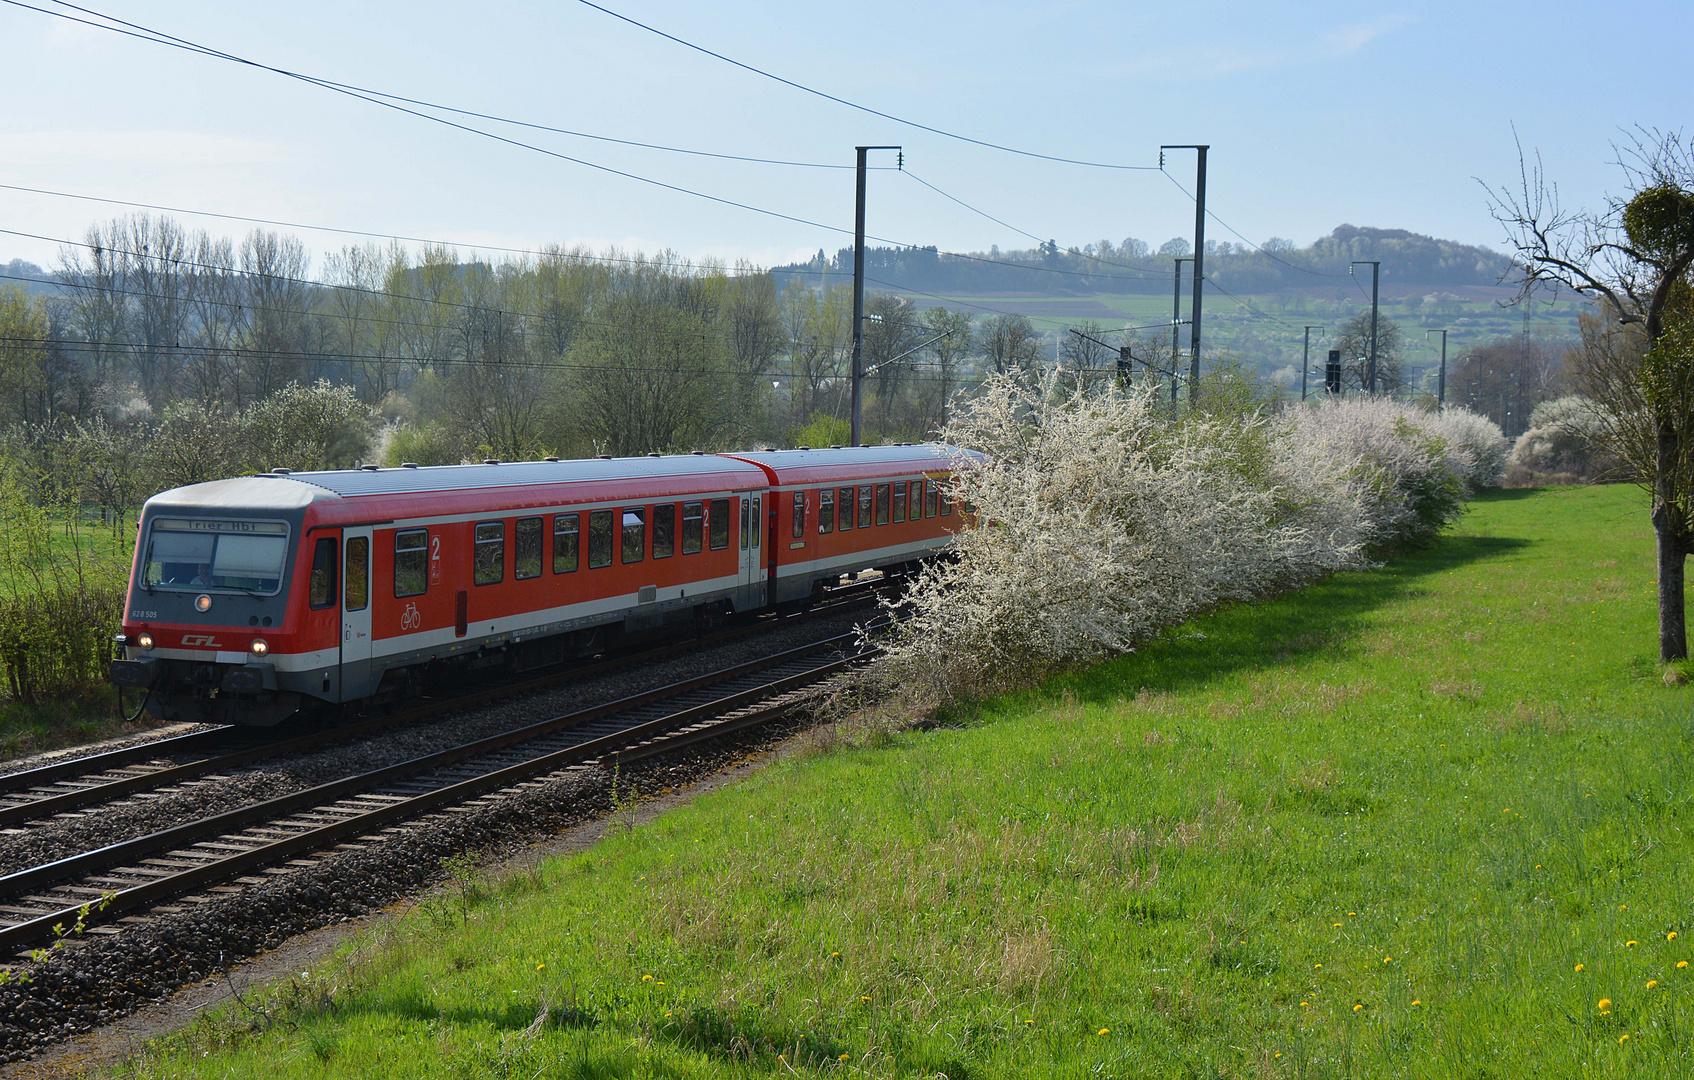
[1317,114]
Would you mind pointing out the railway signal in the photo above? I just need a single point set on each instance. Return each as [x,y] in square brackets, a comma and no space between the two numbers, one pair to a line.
[1332,373]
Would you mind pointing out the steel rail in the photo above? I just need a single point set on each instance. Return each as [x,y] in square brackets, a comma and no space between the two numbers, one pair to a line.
[629,743]
[106,791]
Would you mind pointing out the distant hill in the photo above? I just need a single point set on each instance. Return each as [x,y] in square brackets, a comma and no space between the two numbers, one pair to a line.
[1408,259]
[26,274]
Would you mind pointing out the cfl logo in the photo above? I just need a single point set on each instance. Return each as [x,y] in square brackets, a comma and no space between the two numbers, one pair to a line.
[206,641]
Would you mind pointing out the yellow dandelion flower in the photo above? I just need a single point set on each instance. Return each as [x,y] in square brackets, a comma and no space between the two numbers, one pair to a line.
[864,999]
[1624,1037]
[1682,963]
[1505,809]
[661,982]
[1279,1055]
[835,954]
[1631,943]
[1603,1003]
[1316,966]
[541,967]
[1104,1031]
[1305,1004]
[667,1012]
[1415,1001]
[1623,907]
[1356,1008]
[1579,967]
[1671,936]
[843,1057]
[1388,959]
[1337,924]
[1652,983]
[1031,1021]
[646,978]
[1352,913]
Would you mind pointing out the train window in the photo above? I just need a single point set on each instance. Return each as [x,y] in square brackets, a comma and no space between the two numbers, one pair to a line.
[357,589]
[900,501]
[693,534]
[846,509]
[246,556]
[746,507]
[322,588]
[757,528]
[865,506]
[946,507]
[664,531]
[526,548]
[931,497]
[411,554]
[799,514]
[882,504]
[826,511]
[718,523]
[567,538]
[634,533]
[599,539]
[490,552]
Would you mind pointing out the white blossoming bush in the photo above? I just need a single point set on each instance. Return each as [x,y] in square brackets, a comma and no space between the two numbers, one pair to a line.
[1478,439]
[1098,520]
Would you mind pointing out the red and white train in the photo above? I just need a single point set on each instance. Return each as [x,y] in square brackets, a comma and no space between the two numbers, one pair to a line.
[255,597]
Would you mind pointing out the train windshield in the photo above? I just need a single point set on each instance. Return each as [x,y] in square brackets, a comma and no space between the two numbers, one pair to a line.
[237,556]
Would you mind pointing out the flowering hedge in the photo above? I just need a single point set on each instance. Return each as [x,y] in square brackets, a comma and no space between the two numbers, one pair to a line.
[1100,520]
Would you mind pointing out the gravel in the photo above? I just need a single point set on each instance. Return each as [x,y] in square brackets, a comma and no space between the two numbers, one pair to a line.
[103,977]
[109,823]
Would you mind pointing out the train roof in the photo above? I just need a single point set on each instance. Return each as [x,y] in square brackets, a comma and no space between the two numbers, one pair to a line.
[806,466]
[431,478]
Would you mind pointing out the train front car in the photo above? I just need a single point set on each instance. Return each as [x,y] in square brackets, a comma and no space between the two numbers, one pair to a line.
[216,627]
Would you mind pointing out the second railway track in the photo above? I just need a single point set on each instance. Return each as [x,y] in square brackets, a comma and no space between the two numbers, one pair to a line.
[221,853]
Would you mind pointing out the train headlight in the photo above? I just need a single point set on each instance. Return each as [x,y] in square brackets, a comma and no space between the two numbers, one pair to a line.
[259,647]
[202,603]
[144,640]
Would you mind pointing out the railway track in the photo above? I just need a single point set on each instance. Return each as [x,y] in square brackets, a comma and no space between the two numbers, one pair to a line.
[78,783]
[222,853]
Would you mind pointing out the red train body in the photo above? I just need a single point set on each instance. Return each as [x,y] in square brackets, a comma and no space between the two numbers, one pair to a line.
[255,597]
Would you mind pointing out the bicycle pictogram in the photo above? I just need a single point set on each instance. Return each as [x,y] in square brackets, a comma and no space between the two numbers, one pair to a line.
[410,619]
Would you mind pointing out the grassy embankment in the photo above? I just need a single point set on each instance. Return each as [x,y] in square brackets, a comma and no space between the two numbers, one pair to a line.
[1430,820]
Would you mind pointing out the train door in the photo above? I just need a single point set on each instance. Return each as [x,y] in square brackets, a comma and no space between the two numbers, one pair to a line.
[355,613]
[750,591]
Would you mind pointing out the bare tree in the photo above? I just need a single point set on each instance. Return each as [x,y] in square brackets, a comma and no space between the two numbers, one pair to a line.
[1354,345]
[1012,347]
[1634,257]
[1086,364]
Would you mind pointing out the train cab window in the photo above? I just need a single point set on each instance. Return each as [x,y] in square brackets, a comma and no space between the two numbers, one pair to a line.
[599,539]
[693,527]
[664,531]
[411,554]
[931,496]
[756,519]
[567,540]
[490,552]
[718,523]
[526,548]
[900,501]
[826,511]
[865,506]
[799,514]
[846,515]
[322,588]
[882,504]
[634,533]
[357,588]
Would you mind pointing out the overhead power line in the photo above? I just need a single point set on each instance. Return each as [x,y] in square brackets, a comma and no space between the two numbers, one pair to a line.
[1269,255]
[862,108]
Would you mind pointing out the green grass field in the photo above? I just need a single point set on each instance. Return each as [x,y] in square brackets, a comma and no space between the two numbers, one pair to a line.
[1425,821]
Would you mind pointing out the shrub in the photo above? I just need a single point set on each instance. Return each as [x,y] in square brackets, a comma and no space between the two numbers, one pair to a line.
[1100,521]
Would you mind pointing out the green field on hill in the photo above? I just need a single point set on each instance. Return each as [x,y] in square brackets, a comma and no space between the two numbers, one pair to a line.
[1430,820]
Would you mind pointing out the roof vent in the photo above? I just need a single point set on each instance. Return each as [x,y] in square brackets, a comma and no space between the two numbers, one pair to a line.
[408,464]
[835,446]
[655,454]
[770,449]
[802,448]
[550,459]
[604,457]
[491,461]
[698,453]
[281,472]
[370,468]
